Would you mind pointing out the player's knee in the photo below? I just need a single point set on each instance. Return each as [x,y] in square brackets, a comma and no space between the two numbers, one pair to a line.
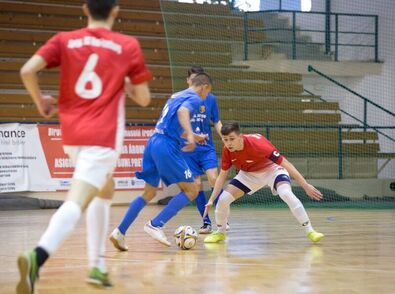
[212,176]
[191,191]
[225,199]
[108,189]
[198,182]
[149,193]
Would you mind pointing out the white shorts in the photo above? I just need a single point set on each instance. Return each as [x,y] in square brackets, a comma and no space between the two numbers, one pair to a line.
[258,180]
[92,163]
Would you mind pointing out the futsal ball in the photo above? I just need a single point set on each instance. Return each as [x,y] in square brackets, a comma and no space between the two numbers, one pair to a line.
[185,237]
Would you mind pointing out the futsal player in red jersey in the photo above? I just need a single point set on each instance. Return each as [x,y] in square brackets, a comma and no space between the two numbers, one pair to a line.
[259,164]
[97,66]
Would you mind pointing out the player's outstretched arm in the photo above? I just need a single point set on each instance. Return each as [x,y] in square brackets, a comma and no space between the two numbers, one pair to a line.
[139,93]
[295,174]
[46,105]
[219,183]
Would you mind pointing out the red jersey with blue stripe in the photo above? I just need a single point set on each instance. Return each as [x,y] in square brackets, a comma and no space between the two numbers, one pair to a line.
[258,153]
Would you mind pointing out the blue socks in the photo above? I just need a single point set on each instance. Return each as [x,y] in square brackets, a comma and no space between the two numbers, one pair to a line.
[134,208]
[200,204]
[177,203]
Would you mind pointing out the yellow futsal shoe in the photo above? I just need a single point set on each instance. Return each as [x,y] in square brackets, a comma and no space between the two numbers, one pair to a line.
[315,236]
[215,237]
[98,278]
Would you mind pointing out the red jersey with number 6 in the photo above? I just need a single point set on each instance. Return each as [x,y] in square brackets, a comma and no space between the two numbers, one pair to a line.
[93,65]
[258,153]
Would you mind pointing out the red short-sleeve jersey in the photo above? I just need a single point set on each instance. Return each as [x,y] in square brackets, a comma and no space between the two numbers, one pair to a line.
[257,154]
[93,66]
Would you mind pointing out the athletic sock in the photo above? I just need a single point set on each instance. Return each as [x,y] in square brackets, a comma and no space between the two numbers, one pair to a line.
[60,226]
[177,203]
[97,219]
[296,207]
[200,204]
[41,255]
[222,210]
[134,209]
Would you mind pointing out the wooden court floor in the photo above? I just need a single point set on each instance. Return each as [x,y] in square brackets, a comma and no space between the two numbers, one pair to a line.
[266,252]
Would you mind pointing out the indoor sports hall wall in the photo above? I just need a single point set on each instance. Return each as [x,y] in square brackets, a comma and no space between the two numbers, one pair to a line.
[319,125]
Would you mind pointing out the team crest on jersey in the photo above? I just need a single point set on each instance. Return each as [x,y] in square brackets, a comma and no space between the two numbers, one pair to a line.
[202,109]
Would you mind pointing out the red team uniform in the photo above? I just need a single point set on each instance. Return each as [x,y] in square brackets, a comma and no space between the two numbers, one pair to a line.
[94,63]
[91,100]
[258,153]
[258,164]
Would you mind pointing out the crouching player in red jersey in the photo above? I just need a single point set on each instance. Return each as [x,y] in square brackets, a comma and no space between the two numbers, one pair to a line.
[260,164]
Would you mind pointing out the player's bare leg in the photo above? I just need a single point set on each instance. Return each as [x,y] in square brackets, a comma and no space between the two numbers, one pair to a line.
[117,236]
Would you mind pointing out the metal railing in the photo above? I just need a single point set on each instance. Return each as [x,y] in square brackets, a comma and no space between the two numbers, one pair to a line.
[340,155]
[366,102]
[328,43]
[365,126]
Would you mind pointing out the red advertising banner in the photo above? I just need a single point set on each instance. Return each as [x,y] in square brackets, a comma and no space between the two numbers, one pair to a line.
[130,161]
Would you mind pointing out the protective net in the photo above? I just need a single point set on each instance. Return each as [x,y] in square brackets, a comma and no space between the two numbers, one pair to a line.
[325,131]
[259,62]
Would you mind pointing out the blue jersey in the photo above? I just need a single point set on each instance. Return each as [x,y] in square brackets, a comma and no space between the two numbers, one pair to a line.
[168,123]
[201,121]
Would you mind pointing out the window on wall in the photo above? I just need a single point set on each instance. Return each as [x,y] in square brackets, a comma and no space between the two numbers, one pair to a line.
[300,5]
[248,5]
[256,5]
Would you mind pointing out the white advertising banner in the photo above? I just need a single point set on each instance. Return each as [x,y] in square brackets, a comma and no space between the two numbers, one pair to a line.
[32,158]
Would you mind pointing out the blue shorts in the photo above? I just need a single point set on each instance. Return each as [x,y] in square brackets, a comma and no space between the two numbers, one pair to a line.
[201,161]
[164,160]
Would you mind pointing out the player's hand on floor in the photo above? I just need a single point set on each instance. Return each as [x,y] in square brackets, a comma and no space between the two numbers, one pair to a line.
[313,192]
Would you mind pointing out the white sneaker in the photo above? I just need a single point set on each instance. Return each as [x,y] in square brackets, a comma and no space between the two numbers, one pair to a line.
[206,229]
[227,227]
[118,240]
[156,233]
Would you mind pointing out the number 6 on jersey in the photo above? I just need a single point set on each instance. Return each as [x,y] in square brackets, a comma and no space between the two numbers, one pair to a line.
[88,76]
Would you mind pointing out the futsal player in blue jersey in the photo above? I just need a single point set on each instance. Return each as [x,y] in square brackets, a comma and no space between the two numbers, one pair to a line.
[163,160]
[204,159]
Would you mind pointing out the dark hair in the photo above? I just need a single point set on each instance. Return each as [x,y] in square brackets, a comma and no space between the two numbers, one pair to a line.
[201,79]
[229,127]
[100,9]
[195,70]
